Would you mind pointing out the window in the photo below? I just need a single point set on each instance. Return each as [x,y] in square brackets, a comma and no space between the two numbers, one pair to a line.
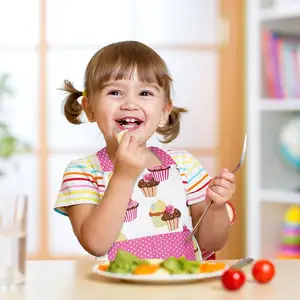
[53,41]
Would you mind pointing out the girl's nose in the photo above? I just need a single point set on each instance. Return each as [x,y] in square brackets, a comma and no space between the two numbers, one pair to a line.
[129,104]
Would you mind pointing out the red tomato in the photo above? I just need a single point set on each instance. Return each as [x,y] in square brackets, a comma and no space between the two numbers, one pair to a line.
[233,279]
[263,271]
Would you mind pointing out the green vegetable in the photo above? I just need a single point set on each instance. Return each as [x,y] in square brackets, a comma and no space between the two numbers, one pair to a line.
[125,263]
[180,266]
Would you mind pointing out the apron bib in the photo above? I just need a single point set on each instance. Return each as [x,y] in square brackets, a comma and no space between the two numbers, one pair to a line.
[157,220]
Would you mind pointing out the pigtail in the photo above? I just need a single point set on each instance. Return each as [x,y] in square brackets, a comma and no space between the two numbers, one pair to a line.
[72,108]
[171,130]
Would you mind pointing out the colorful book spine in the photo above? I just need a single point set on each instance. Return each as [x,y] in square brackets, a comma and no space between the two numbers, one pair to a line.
[281,65]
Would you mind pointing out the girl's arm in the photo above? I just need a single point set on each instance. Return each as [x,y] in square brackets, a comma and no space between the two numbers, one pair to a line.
[213,231]
[97,227]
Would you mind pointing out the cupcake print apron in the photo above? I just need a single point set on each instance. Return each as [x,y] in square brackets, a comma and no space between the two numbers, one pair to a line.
[157,220]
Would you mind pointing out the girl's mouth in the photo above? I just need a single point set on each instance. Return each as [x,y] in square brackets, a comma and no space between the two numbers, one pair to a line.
[129,123]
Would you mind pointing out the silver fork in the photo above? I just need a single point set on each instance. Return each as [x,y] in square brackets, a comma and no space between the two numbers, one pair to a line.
[242,263]
[242,158]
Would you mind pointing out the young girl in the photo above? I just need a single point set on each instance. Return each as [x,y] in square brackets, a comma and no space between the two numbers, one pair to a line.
[130,196]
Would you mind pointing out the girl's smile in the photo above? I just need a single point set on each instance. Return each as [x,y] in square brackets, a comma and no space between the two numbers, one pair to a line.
[129,122]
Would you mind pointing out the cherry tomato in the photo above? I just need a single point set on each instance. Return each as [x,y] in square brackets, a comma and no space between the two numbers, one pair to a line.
[233,279]
[263,271]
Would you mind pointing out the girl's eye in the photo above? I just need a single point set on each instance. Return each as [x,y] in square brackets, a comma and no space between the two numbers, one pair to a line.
[146,93]
[114,93]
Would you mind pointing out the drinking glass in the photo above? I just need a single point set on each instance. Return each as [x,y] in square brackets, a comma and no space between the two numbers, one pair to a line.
[13,221]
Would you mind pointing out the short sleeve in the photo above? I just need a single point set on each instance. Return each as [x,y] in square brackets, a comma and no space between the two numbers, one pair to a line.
[81,183]
[197,178]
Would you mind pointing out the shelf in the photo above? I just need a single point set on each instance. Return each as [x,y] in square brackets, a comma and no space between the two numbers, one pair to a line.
[280,104]
[280,13]
[279,196]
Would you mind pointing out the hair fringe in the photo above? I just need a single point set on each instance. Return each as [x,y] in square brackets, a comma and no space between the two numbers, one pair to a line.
[72,108]
[171,130]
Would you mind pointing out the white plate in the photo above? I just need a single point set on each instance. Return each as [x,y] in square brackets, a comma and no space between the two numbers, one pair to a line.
[159,277]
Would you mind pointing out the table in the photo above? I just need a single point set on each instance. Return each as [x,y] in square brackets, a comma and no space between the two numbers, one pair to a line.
[73,280]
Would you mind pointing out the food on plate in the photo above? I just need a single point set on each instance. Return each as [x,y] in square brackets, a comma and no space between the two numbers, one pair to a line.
[127,263]
[145,269]
[263,271]
[233,279]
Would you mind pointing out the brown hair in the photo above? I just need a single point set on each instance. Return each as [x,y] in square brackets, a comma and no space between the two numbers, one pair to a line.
[115,62]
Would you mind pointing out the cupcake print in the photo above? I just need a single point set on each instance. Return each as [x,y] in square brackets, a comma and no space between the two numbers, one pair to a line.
[157,209]
[171,217]
[148,185]
[160,173]
[131,213]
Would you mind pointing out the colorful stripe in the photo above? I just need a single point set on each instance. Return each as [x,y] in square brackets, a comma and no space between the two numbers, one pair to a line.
[291,230]
[290,248]
[80,186]
[201,170]
[200,197]
[197,183]
[81,179]
[60,212]
[81,199]
[201,188]
[92,171]
[196,176]
[84,192]
[291,240]
[95,178]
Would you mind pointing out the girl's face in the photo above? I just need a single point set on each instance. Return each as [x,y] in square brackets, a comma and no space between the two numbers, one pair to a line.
[128,104]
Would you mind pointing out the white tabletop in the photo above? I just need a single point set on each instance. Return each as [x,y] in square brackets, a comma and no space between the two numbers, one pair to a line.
[73,280]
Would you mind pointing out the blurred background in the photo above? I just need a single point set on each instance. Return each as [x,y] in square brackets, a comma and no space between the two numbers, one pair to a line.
[213,51]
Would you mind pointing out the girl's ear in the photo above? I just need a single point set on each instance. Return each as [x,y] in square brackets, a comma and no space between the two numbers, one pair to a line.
[167,109]
[165,114]
[88,109]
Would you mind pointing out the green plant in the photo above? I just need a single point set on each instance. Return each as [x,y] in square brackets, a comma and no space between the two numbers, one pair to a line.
[9,144]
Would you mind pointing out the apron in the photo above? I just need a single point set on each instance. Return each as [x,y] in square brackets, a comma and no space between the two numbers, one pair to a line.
[157,219]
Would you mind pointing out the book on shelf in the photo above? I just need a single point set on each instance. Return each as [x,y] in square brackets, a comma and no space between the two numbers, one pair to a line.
[281,65]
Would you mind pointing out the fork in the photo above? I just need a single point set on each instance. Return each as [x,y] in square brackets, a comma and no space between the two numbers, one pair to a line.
[242,263]
[242,158]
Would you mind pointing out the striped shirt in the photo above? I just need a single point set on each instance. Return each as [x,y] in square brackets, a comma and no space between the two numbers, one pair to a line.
[84,181]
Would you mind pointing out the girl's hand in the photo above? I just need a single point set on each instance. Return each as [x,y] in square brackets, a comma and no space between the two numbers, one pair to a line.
[130,159]
[221,188]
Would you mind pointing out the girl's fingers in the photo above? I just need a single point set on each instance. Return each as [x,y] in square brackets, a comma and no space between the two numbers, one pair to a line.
[222,183]
[221,191]
[133,144]
[227,175]
[125,141]
[215,197]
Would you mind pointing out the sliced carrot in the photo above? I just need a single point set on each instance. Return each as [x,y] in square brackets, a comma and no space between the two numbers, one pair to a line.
[103,267]
[203,267]
[220,266]
[211,267]
[145,269]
